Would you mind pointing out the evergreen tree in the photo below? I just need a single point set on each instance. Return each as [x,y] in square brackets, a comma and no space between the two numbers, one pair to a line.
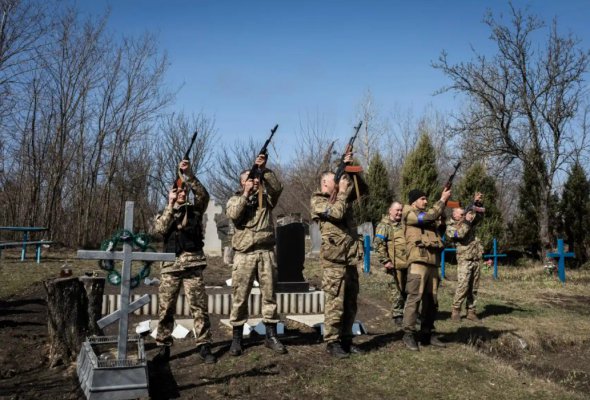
[477,180]
[380,195]
[525,226]
[419,171]
[575,211]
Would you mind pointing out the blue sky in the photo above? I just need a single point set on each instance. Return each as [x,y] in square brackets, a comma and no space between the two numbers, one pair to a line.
[251,64]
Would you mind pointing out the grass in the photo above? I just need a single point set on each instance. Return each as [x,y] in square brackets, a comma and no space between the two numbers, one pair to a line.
[533,344]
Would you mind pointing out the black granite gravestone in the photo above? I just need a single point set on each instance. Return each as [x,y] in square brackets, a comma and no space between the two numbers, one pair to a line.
[290,237]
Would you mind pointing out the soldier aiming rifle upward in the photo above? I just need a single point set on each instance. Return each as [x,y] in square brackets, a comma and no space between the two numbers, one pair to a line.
[180,175]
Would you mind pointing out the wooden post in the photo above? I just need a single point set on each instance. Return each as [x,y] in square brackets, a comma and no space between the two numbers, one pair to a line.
[67,314]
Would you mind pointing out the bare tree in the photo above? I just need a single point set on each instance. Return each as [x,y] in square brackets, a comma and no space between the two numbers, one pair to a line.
[315,152]
[174,137]
[523,100]
[223,179]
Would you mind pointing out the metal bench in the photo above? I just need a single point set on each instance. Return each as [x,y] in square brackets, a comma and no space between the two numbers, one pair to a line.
[37,243]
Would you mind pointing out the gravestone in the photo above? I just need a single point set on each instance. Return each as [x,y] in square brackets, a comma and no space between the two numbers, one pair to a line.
[290,245]
[316,239]
[212,243]
[104,373]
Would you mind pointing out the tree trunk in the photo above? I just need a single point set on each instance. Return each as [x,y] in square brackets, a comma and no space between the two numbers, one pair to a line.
[67,313]
[94,287]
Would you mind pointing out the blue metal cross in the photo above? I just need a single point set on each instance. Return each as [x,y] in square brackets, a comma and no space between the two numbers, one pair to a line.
[495,256]
[442,259]
[562,255]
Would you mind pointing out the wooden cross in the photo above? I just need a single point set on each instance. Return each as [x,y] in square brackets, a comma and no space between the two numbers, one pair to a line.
[562,255]
[495,256]
[127,255]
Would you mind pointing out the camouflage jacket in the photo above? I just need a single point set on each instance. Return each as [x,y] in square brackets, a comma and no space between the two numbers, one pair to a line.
[423,242]
[340,240]
[173,218]
[253,226]
[462,234]
[390,243]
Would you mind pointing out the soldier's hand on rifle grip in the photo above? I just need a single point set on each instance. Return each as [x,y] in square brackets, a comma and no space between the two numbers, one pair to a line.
[348,157]
[478,198]
[172,196]
[445,195]
[388,266]
[261,161]
[185,167]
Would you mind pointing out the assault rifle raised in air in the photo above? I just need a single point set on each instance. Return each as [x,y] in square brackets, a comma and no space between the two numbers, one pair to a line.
[255,172]
[179,178]
[342,167]
[449,184]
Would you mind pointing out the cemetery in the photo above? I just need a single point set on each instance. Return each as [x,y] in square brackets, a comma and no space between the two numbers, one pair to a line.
[138,205]
[115,360]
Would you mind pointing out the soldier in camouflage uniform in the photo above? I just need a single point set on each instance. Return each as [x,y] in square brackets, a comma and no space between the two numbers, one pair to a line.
[423,245]
[390,246]
[461,231]
[339,255]
[253,242]
[181,226]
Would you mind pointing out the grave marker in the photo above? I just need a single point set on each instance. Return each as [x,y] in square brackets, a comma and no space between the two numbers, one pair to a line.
[562,255]
[121,378]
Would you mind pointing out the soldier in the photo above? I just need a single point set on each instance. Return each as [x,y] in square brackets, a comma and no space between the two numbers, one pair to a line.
[339,255]
[423,245]
[253,242]
[390,245]
[181,226]
[461,231]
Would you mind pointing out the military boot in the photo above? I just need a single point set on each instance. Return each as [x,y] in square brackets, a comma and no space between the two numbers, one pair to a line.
[272,341]
[205,354]
[472,316]
[349,347]
[335,350]
[236,344]
[410,341]
[456,315]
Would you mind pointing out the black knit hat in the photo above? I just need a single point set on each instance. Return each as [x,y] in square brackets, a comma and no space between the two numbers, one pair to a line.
[414,195]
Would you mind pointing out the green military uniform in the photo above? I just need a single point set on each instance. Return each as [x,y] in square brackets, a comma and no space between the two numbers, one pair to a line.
[423,245]
[253,242]
[339,254]
[181,226]
[469,250]
[390,246]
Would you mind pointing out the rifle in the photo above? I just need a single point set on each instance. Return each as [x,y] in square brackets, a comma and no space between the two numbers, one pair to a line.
[179,179]
[449,184]
[255,172]
[342,167]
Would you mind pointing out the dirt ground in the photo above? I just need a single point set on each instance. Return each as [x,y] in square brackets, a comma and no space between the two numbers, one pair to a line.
[259,373]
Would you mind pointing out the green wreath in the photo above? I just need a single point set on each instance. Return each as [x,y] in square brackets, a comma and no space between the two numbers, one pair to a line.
[141,241]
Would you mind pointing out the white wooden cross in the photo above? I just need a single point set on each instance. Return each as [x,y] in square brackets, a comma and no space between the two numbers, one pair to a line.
[127,255]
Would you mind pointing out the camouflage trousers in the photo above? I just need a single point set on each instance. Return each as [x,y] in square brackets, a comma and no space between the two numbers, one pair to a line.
[422,287]
[397,291]
[340,284]
[194,291]
[467,284]
[246,268]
